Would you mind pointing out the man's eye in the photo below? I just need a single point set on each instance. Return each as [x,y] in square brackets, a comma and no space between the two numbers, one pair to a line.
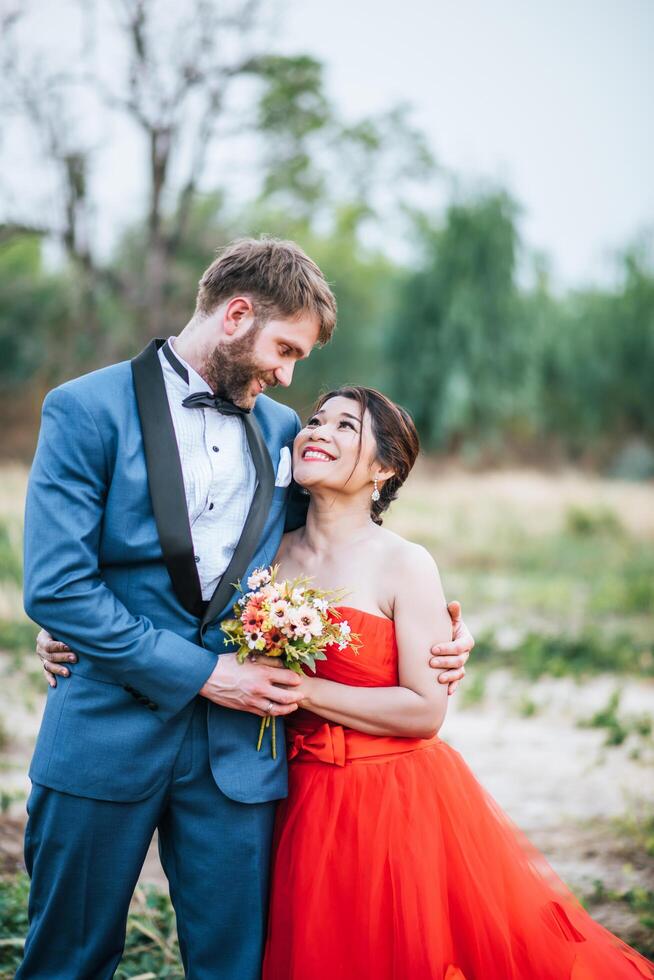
[285,351]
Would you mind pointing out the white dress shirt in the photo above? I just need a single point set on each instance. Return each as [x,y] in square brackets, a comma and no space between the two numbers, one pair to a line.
[219,475]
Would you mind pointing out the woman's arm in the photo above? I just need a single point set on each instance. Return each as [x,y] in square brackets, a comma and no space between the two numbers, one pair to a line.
[417,708]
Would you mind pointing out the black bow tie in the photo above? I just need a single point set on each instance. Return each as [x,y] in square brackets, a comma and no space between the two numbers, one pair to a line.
[204,399]
[201,399]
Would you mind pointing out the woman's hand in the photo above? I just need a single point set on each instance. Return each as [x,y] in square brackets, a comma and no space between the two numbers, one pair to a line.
[450,658]
[53,655]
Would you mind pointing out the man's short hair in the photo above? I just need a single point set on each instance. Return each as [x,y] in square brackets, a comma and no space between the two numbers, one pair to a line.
[279,278]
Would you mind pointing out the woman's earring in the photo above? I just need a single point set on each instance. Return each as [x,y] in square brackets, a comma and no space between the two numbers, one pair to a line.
[375,493]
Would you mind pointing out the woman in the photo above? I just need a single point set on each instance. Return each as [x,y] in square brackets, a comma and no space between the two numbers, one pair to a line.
[391,861]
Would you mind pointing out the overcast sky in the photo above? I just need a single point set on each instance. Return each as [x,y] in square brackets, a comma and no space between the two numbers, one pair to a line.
[553,98]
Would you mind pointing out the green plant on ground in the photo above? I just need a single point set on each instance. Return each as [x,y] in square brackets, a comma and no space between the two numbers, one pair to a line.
[474,691]
[586,522]
[9,797]
[5,737]
[11,565]
[527,707]
[637,828]
[17,636]
[591,652]
[618,729]
[151,948]
[13,922]
[638,900]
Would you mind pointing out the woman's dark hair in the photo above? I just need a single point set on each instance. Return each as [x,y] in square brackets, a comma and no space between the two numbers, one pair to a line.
[395,434]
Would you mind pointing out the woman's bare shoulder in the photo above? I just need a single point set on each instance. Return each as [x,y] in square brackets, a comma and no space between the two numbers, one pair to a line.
[402,553]
[406,568]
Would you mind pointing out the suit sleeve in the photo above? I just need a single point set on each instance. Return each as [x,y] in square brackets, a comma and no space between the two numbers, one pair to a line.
[298,502]
[64,589]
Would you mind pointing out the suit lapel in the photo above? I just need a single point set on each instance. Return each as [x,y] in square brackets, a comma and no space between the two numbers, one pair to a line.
[254,522]
[165,478]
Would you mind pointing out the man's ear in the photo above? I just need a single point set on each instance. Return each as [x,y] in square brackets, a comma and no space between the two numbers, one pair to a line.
[239,312]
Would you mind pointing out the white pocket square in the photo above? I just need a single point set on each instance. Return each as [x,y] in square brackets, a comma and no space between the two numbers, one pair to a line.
[285,468]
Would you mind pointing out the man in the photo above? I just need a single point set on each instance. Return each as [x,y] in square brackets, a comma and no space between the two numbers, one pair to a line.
[155,486]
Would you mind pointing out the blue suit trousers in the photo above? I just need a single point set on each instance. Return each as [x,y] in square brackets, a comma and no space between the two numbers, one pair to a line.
[85,855]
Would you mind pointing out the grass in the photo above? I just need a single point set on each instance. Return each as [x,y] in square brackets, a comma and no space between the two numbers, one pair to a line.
[573,552]
[17,636]
[558,655]
[618,728]
[639,901]
[11,564]
[151,948]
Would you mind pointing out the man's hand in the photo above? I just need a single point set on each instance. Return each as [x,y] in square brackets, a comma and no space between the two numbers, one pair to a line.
[451,657]
[261,689]
[53,655]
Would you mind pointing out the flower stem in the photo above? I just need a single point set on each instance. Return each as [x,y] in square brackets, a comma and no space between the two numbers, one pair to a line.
[261,729]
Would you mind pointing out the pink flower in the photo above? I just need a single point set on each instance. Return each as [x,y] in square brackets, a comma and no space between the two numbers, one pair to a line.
[251,617]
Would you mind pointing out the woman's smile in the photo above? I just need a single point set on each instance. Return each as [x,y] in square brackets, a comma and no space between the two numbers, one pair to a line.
[313,454]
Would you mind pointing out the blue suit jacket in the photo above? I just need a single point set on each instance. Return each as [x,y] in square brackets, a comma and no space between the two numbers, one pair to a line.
[109,569]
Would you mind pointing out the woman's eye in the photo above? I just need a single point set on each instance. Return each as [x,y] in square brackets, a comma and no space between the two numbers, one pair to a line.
[311,422]
[348,424]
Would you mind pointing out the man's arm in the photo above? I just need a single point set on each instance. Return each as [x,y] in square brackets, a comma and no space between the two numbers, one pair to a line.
[64,590]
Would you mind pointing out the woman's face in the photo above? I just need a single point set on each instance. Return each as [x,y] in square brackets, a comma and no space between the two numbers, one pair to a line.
[325,450]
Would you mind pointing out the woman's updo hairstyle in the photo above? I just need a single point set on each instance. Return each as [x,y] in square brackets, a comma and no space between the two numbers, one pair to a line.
[395,434]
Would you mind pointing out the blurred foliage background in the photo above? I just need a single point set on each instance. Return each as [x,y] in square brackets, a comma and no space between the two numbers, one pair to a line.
[449,312]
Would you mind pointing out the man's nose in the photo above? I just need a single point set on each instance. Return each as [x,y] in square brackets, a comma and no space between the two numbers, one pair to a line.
[284,374]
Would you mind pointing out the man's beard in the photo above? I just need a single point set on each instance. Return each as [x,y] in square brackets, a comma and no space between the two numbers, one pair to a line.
[231,368]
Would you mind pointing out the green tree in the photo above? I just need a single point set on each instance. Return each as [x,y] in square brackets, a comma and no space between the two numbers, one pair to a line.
[596,363]
[35,308]
[456,347]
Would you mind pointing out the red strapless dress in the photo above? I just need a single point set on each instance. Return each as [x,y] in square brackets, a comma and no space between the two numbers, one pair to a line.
[391,862]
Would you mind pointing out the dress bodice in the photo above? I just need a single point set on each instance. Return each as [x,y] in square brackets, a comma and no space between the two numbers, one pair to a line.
[374,664]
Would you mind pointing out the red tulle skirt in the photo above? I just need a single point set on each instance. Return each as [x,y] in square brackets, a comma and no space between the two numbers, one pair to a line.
[391,862]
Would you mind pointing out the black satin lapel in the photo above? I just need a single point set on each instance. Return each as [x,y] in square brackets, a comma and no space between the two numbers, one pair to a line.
[165,478]
[254,522]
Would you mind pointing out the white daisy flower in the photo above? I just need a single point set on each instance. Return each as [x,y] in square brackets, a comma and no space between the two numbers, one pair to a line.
[259,577]
[279,612]
[306,621]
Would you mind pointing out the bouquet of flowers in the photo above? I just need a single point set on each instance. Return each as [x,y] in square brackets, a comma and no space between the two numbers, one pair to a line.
[290,620]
